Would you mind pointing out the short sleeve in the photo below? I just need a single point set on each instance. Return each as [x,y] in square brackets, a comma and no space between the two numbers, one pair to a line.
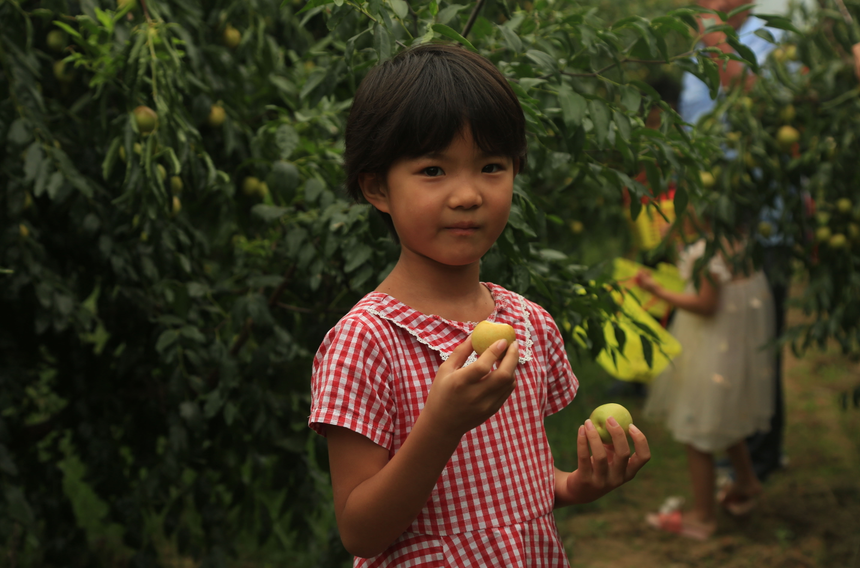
[350,384]
[719,269]
[562,384]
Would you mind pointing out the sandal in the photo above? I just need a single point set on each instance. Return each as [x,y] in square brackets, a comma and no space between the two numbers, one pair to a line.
[674,523]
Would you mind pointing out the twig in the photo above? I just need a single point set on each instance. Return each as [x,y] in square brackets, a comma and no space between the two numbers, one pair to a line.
[845,13]
[472,17]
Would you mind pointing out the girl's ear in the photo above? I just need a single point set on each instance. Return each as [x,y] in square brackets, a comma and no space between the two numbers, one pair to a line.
[374,190]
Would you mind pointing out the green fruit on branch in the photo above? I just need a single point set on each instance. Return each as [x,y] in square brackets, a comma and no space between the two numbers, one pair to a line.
[176,184]
[61,73]
[822,234]
[250,185]
[786,137]
[844,205]
[23,231]
[822,217]
[176,205]
[263,190]
[56,40]
[854,231]
[232,37]
[708,179]
[122,4]
[146,119]
[787,113]
[577,227]
[217,114]
[487,333]
[837,241]
[765,229]
[746,102]
[791,52]
[603,412]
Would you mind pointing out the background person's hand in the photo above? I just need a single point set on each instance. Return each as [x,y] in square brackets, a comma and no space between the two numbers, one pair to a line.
[855,50]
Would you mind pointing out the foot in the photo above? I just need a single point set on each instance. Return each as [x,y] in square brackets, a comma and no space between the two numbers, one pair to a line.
[739,501]
[677,523]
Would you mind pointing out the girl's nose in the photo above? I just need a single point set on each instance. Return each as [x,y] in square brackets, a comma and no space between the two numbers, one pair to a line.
[466,194]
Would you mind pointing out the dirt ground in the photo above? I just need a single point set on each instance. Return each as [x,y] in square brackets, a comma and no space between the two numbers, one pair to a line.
[810,514]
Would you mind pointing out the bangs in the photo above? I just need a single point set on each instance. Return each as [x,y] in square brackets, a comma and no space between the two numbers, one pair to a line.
[446,97]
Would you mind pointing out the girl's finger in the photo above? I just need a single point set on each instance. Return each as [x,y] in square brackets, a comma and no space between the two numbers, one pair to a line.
[583,454]
[460,354]
[641,455]
[598,452]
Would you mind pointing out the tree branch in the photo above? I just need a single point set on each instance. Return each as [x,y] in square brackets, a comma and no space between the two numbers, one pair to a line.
[472,17]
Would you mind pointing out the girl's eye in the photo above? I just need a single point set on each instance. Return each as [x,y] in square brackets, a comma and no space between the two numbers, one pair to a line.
[492,168]
[433,171]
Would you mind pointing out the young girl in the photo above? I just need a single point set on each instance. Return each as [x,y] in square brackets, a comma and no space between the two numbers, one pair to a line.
[720,388]
[438,457]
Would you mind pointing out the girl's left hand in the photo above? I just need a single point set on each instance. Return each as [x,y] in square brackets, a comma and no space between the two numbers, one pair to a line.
[603,467]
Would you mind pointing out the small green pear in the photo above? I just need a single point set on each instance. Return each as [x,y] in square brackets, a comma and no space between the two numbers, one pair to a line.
[487,333]
[602,413]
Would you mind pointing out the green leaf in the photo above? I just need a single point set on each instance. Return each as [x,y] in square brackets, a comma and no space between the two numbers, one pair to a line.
[68,29]
[543,59]
[357,257]
[400,7]
[573,105]
[744,51]
[445,31]
[512,40]
[287,140]
[32,161]
[311,5]
[599,113]
[382,42]
[165,340]
[268,212]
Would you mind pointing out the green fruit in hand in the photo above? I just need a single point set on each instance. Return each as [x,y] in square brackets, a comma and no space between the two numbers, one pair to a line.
[708,179]
[602,413]
[765,229]
[250,186]
[56,40]
[786,137]
[232,37]
[146,119]
[216,116]
[822,234]
[176,184]
[487,333]
[837,241]
[844,205]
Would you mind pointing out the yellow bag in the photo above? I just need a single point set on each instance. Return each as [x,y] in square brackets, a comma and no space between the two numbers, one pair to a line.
[649,225]
[629,364]
[624,271]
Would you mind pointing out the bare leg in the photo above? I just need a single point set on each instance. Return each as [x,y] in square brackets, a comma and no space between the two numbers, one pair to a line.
[701,465]
[746,484]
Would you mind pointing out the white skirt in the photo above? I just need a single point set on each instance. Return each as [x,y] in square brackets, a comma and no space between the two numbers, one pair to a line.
[720,389]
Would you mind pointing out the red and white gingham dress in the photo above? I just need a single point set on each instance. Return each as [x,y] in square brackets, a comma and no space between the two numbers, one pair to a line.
[492,505]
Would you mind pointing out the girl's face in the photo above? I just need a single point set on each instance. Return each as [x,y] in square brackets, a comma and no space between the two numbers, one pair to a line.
[449,206]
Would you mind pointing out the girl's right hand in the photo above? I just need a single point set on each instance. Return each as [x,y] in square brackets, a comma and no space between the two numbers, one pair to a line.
[462,398]
[645,281]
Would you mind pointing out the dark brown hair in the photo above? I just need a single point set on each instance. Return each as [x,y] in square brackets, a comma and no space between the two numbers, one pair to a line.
[415,104]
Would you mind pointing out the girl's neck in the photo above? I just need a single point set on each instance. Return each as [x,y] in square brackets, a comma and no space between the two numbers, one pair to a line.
[451,292]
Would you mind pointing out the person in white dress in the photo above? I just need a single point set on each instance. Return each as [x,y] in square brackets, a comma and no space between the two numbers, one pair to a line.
[719,390]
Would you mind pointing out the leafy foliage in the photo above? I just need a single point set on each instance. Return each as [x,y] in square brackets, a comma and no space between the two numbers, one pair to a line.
[166,282]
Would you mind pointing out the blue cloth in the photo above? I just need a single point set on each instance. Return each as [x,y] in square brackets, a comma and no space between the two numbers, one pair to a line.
[695,99]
